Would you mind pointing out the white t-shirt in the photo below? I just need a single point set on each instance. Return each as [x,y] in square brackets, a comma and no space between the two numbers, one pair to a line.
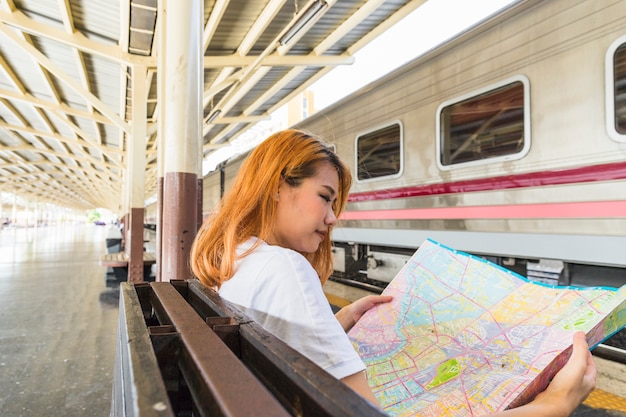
[279,289]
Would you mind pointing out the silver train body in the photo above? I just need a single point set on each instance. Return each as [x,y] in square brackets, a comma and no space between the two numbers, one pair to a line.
[508,142]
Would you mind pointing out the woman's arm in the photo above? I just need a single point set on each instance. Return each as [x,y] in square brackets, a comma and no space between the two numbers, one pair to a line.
[358,382]
[351,313]
[347,317]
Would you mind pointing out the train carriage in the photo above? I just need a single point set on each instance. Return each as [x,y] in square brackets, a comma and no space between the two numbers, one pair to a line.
[508,141]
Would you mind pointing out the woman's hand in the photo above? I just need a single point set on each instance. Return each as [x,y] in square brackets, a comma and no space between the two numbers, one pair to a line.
[569,387]
[573,384]
[351,313]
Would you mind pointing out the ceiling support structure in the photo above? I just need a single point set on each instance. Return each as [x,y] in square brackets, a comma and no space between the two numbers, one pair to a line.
[49,65]
[65,66]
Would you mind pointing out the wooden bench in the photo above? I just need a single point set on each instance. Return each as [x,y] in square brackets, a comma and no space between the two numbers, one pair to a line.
[119,262]
[182,350]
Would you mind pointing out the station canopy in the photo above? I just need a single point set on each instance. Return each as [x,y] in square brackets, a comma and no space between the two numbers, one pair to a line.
[66,80]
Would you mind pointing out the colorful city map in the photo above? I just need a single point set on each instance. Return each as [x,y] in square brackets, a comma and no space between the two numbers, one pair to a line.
[466,337]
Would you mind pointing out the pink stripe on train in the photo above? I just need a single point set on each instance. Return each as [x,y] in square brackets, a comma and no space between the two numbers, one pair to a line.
[593,209]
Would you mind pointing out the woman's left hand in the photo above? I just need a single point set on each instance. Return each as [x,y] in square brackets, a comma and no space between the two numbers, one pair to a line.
[351,313]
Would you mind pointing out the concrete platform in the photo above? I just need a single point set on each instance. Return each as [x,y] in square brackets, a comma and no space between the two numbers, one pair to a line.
[58,322]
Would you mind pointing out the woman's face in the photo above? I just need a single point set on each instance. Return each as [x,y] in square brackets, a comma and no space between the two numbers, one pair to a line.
[305,213]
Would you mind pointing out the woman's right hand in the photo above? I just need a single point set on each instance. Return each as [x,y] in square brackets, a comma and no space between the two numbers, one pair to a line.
[569,387]
[573,384]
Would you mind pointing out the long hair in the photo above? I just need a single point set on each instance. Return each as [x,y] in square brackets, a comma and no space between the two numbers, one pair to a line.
[249,208]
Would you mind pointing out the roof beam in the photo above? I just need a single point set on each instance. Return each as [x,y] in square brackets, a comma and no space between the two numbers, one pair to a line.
[388,23]
[250,74]
[87,187]
[43,177]
[213,21]
[318,52]
[52,106]
[70,141]
[8,5]
[52,67]
[68,23]
[72,174]
[19,138]
[260,24]
[269,12]
[60,193]
[87,159]
[76,40]
[236,60]
[102,183]
[241,119]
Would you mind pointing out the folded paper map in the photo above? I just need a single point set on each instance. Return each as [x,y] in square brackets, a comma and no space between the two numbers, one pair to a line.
[466,337]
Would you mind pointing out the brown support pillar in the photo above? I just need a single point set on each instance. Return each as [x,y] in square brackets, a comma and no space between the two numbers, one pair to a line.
[159,230]
[163,105]
[181,70]
[180,224]
[200,198]
[135,250]
[136,168]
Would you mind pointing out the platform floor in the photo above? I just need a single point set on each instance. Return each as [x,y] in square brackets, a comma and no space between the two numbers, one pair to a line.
[58,323]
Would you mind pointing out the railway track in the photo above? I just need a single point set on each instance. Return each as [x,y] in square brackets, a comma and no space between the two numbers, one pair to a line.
[613,349]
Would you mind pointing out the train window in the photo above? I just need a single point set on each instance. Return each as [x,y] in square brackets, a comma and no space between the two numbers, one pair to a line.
[616,90]
[490,125]
[379,153]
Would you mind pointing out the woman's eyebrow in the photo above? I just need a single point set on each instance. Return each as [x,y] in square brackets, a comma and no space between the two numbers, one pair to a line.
[330,189]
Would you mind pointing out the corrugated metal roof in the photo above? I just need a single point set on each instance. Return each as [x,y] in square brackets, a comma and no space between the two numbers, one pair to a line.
[64,76]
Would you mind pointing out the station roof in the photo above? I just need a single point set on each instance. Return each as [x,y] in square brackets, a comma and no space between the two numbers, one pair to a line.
[66,79]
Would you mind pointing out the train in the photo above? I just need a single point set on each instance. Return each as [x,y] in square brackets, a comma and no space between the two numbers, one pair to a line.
[507,141]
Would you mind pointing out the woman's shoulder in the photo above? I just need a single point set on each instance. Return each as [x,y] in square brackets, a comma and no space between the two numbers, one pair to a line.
[276,259]
[270,266]
[267,253]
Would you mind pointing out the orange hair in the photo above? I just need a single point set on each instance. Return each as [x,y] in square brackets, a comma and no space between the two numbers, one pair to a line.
[249,208]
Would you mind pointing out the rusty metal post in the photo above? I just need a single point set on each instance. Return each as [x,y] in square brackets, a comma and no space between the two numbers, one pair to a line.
[136,168]
[159,229]
[182,87]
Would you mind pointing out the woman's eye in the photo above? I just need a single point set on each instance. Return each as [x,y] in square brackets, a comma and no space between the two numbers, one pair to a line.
[326,198]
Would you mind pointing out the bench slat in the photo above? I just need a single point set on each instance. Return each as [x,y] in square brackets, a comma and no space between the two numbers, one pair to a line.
[138,390]
[225,385]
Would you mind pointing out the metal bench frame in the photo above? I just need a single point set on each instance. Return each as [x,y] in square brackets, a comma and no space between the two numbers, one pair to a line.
[182,350]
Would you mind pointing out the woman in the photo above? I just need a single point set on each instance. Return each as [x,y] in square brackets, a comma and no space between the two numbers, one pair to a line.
[267,249]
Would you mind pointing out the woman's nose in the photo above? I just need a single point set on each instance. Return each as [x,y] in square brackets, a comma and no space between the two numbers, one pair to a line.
[331,219]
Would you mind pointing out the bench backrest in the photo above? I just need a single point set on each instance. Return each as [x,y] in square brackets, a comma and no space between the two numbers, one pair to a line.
[200,355]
